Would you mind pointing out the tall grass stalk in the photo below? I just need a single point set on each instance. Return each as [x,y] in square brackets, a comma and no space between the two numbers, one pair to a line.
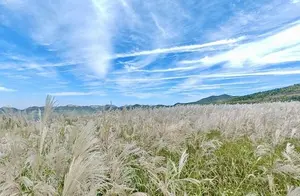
[186,150]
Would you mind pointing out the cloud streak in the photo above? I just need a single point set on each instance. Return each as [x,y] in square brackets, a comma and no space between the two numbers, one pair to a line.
[61,27]
[72,94]
[196,85]
[283,46]
[280,72]
[4,89]
[179,49]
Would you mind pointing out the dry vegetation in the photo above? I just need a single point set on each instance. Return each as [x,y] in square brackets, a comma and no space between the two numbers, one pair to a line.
[185,150]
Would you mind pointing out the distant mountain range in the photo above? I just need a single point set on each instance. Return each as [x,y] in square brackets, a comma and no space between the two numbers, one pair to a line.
[290,93]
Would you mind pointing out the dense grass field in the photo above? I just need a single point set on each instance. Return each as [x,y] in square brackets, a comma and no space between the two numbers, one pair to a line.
[185,150]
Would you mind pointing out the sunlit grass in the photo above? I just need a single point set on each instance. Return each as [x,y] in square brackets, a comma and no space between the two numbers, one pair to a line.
[190,150]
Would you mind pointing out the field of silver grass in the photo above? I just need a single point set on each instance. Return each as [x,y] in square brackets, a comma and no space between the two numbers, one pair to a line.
[184,150]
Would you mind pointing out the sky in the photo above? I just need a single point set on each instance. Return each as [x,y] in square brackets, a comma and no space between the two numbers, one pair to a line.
[96,52]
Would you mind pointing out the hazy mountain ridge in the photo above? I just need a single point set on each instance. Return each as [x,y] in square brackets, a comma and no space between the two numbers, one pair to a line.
[289,93]
[215,99]
[75,109]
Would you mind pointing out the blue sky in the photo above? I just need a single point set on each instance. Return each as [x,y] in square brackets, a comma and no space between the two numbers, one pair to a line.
[147,52]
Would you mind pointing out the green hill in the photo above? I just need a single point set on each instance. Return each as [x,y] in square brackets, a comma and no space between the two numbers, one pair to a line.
[290,93]
[213,99]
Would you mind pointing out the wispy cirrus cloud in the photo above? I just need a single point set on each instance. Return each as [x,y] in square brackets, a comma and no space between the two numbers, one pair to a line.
[180,49]
[257,17]
[240,74]
[61,28]
[283,46]
[173,69]
[4,89]
[146,49]
[192,85]
[70,94]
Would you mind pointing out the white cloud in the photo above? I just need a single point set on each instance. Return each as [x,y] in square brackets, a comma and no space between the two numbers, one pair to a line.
[262,73]
[195,84]
[131,80]
[283,46]
[23,62]
[175,69]
[171,69]
[291,54]
[279,72]
[79,31]
[159,26]
[258,17]
[140,95]
[138,63]
[68,94]
[191,61]
[4,89]
[180,49]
